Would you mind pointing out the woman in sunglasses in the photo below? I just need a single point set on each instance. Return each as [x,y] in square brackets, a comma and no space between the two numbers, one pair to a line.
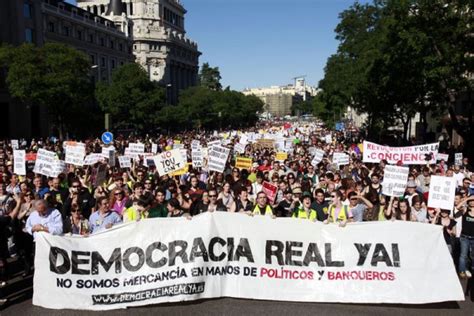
[76,224]
[118,201]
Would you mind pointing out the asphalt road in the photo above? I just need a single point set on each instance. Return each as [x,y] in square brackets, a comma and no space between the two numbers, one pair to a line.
[230,306]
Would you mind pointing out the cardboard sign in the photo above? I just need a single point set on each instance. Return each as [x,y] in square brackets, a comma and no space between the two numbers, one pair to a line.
[318,157]
[265,144]
[92,159]
[75,154]
[239,148]
[109,153]
[181,171]
[340,159]
[243,163]
[19,162]
[458,159]
[45,162]
[281,156]
[218,158]
[169,161]
[270,190]
[394,180]
[444,157]
[442,191]
[125,162]
[197,158]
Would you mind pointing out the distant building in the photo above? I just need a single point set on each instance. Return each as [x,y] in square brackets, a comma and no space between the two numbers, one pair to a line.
[159,38]
[280,99]
[41,21]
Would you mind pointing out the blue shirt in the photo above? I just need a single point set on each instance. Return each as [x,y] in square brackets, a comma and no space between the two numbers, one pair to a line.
[52,220]
[98,222]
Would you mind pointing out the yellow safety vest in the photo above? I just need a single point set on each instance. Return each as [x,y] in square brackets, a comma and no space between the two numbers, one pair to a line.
[301,213]
[131,214]
[342,216]
[268,210]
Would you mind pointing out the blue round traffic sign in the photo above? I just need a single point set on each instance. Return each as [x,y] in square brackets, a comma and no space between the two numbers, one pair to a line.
[107,137]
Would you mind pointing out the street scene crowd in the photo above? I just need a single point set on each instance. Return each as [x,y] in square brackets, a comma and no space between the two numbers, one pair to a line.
[287,170]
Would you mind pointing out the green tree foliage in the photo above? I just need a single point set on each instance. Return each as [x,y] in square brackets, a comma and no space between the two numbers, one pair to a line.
[56,76]
[131,98]
[397,58]
[210,77]
[200,107]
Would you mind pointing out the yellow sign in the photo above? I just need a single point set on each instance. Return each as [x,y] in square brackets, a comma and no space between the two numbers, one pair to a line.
[181,171]
[243,163]
[281,156]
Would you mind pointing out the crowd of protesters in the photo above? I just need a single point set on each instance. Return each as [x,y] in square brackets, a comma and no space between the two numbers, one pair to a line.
[76,202]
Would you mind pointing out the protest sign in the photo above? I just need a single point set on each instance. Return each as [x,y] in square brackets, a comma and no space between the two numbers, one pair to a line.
[444,157]
[340,159]
[270,190]
[458,159]
[15,144]
[442,191]
[218,158]
[265,144]
[59,166]
[44,162]
[124,162]
[181,171]
[239,148]
[281,156]
[195,144]
[328,139]
[394,180]
[92,159]
[19,162]
[169,161]
[197,158]
[136,148]
[214,143]
[243,163]
[178,146]
[100,175]
[154,148]
[224,254]
[318,157]
[30,156]
[75,154]
[411,155]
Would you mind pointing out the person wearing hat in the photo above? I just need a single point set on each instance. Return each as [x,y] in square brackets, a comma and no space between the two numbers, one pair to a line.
[304,211]
[411,191]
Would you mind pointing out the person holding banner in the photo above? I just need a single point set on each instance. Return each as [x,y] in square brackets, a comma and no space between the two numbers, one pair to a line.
[103,218]
[214,204]
[262,207]
[467,237]
[242,204]
[304,211]
[44,219]
[337,212]
[226,198]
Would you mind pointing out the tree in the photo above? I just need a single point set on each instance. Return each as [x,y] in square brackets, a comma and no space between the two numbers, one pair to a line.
[210,77]
[131,98]
[55,76]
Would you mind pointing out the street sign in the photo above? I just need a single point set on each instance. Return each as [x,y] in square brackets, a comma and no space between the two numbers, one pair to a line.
[107,137]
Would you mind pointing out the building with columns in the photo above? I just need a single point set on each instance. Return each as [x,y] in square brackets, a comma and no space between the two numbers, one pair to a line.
[159,38]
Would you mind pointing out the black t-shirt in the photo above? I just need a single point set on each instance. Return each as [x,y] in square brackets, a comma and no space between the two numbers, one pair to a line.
[321,210]
[467,225]
[447,236]
[283,209]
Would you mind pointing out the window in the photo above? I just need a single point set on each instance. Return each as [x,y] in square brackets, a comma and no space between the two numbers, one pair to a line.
[102,62]
[51,27]
[112,44]
[112,63]
[102,41]
[27,10]
[29,35]
[92,59]
[91,38]
[121,47]
[66,30]
[79,34]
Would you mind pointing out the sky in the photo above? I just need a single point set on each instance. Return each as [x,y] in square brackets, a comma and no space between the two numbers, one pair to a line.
[259,43]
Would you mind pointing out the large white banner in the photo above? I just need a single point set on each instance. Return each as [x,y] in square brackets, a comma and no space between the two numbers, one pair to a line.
[412,155]
[233,255]
[394,180]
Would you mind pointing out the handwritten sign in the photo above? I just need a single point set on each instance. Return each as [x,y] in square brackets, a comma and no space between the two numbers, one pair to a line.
[169,161]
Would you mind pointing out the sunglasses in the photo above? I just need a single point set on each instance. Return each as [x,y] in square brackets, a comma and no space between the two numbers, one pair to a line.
[118,193]
[212,195]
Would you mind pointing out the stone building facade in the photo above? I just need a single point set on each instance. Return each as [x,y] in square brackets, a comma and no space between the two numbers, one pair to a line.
[159,38]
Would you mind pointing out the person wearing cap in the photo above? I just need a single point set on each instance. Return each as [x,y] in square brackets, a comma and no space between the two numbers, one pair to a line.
[261,205]
[304,211]
[411,191]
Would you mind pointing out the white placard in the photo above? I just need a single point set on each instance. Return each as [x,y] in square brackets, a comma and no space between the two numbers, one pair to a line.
[328,139]
[441,156]
[394,180]
[75,154]
[169,161]
[340,159]
[15,144]
[136,148]
[318,157]
[458,159]
[213,143]
[125,162]
[59,166]
[154,148]
[197,158]
[223,254]
[239,148]
[442,191]
[218,158]
[45,162]
[19,162]
[92,159]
